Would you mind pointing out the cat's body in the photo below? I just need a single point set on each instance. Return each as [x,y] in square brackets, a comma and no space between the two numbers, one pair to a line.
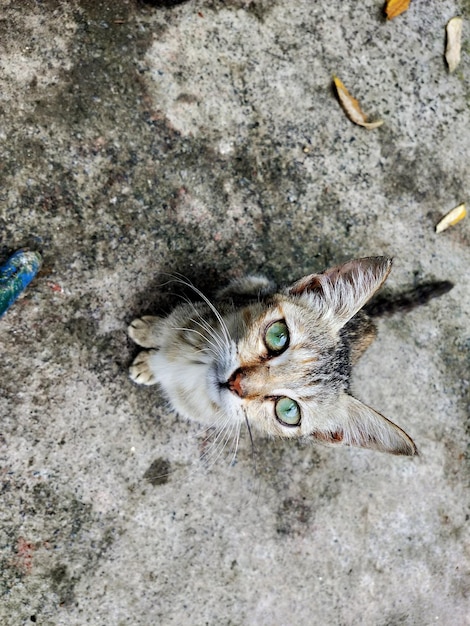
[277,359]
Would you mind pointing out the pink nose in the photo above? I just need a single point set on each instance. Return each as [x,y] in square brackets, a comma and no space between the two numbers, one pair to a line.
[235,383]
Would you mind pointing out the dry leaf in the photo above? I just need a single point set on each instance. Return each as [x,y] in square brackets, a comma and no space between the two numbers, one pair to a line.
[454,36]
[395,7]
[352,108]
[452,218]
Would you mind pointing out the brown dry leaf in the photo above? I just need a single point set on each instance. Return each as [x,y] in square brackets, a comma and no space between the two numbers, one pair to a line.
[454,37]
[352,108]
[453,217]
[395,7]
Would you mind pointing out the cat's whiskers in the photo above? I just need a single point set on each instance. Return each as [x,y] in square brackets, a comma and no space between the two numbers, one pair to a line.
[228,431]
[237,441]
[219,445]
[253,456]
[220,422]
[221,341]
[214,310]
[211,332]
[218,425]
[212,348]
[225,433]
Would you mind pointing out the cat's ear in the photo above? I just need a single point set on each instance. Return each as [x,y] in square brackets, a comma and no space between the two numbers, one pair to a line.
[358,425]
[343,290]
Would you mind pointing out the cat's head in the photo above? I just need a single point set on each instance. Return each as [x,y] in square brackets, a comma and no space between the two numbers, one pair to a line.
[289,375]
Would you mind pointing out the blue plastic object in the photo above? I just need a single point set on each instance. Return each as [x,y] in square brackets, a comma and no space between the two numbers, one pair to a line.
[15,276]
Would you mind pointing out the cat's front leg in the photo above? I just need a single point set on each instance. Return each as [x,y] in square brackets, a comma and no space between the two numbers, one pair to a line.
[146,331]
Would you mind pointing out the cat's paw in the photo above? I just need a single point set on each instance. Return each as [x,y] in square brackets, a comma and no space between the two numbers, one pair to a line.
[140,371]
[141,330]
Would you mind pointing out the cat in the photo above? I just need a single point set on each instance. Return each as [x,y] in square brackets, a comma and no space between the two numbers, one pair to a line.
[277,360]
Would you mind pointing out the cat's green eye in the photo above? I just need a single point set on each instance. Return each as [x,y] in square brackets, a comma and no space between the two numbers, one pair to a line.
[287,412]
[277,337]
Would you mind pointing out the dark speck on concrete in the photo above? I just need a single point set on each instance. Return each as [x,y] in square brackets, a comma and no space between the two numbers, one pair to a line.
[158,472]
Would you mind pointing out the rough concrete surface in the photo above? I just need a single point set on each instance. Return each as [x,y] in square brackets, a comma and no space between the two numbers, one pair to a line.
[204,137]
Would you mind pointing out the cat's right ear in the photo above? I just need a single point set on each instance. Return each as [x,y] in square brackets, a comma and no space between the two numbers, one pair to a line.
[341,291]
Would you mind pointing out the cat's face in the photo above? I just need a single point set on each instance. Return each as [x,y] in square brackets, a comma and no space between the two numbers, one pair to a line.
[286,367]
[288,371]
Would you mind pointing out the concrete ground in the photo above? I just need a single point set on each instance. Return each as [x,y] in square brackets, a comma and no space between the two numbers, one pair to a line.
[138,138]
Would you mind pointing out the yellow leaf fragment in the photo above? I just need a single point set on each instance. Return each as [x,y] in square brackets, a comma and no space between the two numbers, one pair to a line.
[452,218]
[395,7]
[352,107]
[454,38]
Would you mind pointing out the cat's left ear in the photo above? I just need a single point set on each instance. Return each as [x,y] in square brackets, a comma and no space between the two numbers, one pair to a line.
[343,290]
[356,424]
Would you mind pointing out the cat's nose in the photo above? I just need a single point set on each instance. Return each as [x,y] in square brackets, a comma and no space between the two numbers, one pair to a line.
[235,383]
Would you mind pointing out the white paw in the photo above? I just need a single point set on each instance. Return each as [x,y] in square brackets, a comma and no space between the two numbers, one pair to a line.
[141,330]
[140,371]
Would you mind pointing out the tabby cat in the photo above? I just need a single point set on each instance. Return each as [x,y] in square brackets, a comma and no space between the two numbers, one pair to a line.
[278,360]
